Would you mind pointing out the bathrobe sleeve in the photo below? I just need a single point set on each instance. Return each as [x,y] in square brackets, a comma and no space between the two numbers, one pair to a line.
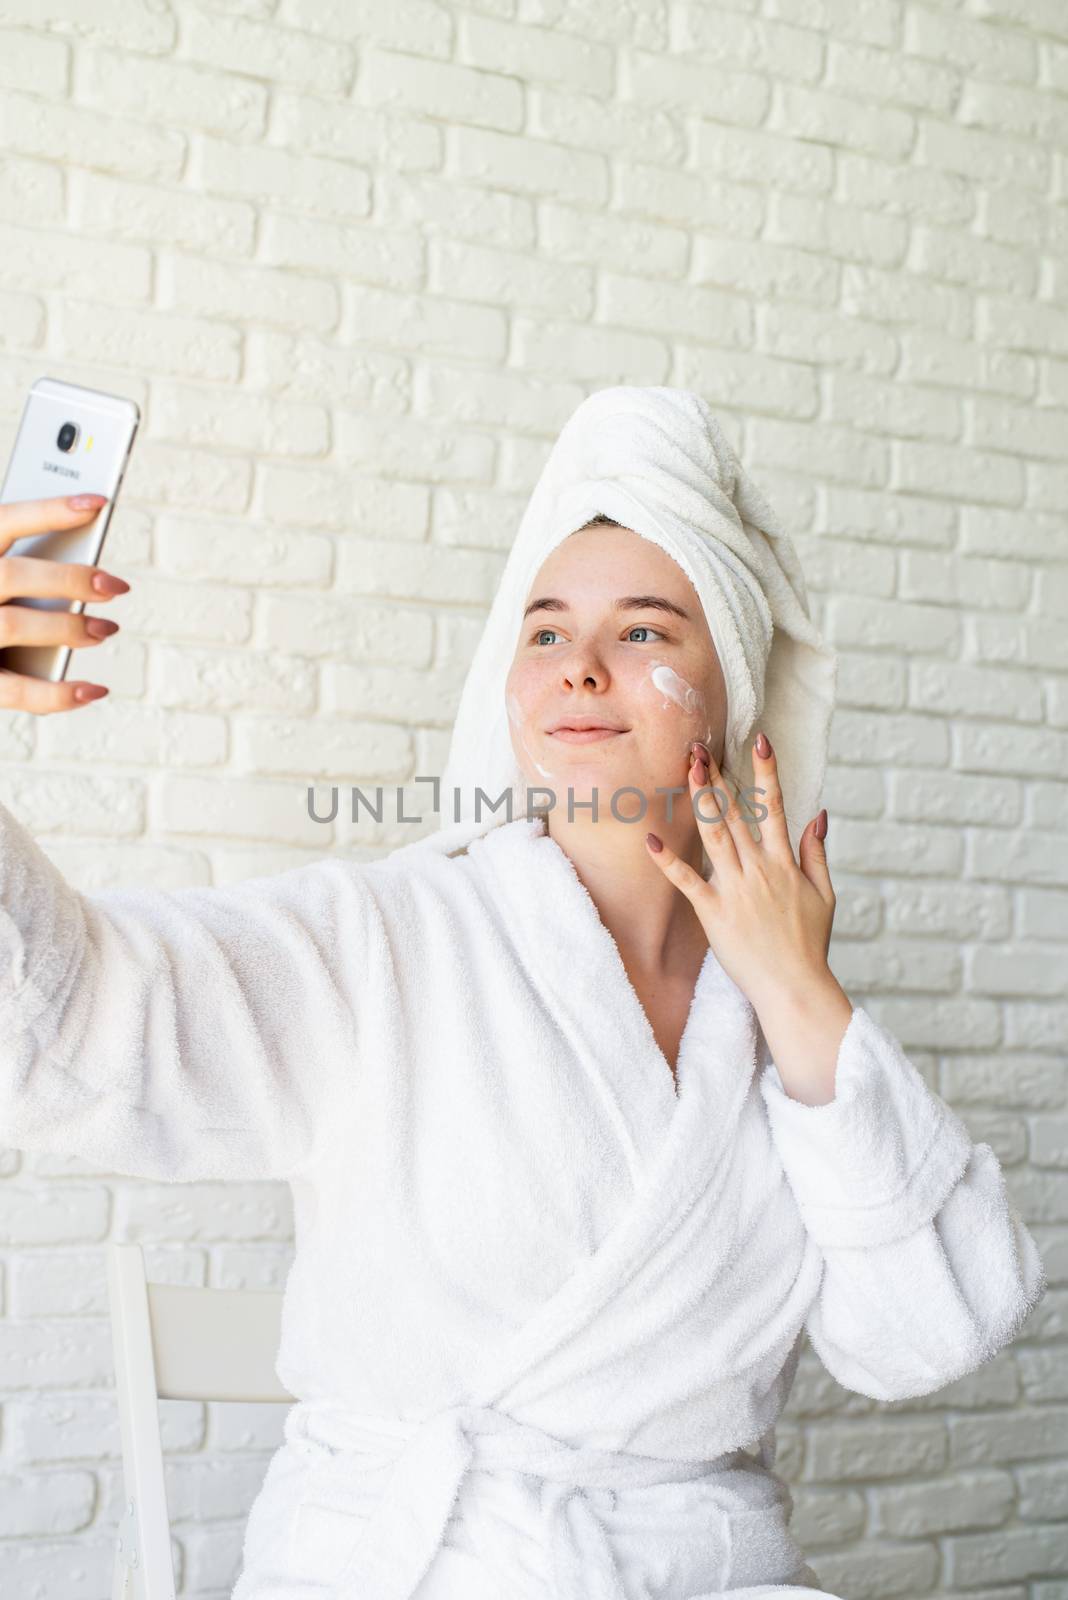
[177,1034]
[928,1271]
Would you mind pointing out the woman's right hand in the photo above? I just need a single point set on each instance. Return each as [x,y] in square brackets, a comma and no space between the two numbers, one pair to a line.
[36,576]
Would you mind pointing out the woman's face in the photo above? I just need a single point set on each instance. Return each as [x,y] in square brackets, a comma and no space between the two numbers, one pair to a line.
[594,653]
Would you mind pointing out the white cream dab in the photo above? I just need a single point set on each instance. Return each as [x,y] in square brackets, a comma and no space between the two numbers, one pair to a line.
[680,693]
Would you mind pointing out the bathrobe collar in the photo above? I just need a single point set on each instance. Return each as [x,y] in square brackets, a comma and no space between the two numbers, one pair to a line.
[577,965]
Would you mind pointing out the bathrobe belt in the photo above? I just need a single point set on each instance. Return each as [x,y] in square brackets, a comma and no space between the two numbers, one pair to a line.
[408,1523]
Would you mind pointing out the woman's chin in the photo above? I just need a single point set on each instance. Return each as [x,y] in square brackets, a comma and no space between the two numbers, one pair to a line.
[585,780]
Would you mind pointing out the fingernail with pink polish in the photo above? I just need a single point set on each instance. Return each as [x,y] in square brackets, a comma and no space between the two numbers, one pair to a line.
[105,583]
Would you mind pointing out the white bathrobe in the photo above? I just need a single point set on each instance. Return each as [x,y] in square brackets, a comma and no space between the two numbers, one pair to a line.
[544,1309]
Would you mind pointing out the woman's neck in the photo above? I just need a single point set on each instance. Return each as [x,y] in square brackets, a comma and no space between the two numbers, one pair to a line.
[653,924]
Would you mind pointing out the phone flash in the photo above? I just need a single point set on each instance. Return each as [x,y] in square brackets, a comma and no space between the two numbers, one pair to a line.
[89,442]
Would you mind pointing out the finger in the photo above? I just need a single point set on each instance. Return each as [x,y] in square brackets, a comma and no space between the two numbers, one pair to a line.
[19,692]
[38,625]
[813,859]
[19,519]
[36,577]
[774,834]
[717,813]
[680,872]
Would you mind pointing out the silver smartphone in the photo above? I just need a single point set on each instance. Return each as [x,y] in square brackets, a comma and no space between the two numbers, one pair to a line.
[70,441]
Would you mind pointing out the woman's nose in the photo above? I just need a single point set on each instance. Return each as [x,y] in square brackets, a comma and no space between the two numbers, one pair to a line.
[583,667]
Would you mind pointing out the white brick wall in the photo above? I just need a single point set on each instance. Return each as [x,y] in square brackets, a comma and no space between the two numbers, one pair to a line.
[358,262]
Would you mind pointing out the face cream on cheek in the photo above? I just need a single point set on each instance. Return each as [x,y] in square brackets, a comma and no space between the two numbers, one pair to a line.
[674,691]
[515,718]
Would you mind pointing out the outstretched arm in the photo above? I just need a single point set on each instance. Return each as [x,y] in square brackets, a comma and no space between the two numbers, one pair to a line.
[183,1034]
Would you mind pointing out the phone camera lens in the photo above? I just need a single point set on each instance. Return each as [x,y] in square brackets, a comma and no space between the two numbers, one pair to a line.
[66,436]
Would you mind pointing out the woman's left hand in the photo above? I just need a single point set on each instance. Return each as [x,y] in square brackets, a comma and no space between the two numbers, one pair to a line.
[767,918]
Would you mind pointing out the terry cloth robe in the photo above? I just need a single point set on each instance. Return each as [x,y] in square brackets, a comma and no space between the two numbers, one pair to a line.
[544,1308]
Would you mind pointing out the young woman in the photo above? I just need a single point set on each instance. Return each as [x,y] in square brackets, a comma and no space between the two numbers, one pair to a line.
[583,1134]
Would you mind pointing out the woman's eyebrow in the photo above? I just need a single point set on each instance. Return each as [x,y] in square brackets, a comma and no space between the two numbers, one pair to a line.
[629,602]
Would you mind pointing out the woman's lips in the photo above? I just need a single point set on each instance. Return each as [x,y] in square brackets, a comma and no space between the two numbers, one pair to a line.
[586,735]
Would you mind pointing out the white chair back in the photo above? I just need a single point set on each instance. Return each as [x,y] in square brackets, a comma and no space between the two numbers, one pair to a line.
[174,1343]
